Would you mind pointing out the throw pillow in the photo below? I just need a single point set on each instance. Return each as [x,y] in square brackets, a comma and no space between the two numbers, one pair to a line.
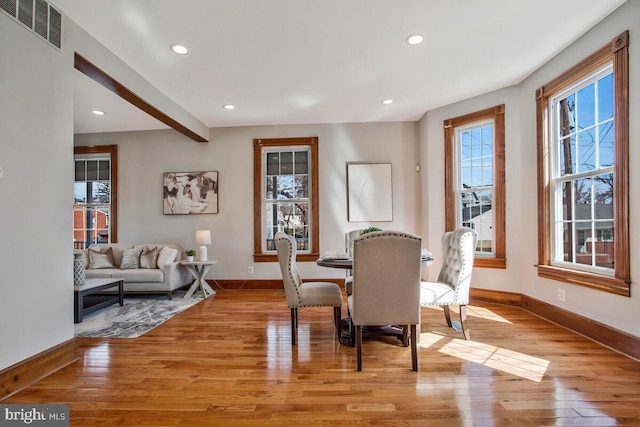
[101,259]
[130,259]
[149,258]
[167,255]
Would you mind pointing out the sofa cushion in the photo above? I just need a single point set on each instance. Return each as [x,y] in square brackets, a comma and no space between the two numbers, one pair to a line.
[101,259]
[167,256]
[130,259]
[149,257]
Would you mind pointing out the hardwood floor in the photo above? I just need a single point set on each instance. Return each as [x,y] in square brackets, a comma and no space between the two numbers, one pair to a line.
[229,361]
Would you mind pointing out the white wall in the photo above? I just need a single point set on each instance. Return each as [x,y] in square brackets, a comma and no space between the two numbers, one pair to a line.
[36,148]
[521,182]
[620,312]
[432,154]
[144,156]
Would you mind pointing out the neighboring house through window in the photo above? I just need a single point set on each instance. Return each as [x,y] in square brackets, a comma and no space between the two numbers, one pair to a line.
[95,195]
[583,128]
[286,195]
[474,181]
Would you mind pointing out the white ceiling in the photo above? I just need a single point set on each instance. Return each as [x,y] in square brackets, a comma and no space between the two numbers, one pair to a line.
[320,61]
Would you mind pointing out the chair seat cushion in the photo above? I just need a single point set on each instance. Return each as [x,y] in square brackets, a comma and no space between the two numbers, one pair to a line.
[436,293]
[319,294]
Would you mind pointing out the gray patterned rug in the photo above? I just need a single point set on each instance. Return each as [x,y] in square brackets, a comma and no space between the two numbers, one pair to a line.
[138,316]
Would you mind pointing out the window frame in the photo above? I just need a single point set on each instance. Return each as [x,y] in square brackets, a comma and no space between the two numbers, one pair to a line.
[617,53]
[452,164]
[112,151]
[258,209]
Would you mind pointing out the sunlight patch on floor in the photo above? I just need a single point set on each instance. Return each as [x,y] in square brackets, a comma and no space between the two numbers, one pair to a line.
[502,359]
[512,362]
[480,312]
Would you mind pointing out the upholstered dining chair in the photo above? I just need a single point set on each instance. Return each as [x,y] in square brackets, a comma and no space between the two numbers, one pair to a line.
[349,236]
[386,285]
[454,280]
[304,294]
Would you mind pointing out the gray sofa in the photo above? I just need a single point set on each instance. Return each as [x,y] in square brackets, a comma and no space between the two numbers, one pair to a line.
[151,279]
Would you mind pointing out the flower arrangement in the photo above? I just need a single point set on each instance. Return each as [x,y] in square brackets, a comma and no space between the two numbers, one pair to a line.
[190,252]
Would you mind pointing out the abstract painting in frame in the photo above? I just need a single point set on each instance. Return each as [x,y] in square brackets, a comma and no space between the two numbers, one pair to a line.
[187,193]
[369,192]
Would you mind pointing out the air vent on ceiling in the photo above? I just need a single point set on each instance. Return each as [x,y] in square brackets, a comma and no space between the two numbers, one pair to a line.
[38,16]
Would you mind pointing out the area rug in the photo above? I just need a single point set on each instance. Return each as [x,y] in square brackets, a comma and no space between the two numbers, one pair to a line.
[138,316]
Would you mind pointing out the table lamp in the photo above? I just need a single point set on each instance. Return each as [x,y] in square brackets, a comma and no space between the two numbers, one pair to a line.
[203,237]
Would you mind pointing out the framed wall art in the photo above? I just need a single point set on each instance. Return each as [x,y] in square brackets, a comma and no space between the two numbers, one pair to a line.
[369,192]
[187,193]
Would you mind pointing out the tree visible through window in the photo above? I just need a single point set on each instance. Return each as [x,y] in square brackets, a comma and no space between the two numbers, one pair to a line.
[474,181]
[285,195]
[583,128]
[94,196]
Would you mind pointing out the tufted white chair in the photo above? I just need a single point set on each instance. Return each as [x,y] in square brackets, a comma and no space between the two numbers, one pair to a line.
[386,285]
[304,294]
[454,280]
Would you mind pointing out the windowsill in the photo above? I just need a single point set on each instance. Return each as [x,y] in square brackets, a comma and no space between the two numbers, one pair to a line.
[602,283]
[312,257]
[480,262]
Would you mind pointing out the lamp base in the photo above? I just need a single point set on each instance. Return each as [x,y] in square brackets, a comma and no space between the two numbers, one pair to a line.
[202,253]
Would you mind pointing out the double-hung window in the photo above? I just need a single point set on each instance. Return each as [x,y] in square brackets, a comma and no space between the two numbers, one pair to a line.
[95,195]
[286,195]
[583,172]
[474,181]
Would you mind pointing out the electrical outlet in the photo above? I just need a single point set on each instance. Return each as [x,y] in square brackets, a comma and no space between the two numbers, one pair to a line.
[561,295]
[250,269]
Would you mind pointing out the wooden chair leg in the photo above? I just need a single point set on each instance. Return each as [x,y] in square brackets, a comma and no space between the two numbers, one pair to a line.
[414,347]
[463,322]
[405,335]
[294,325]
[337,319]
[359,346]
[447,314]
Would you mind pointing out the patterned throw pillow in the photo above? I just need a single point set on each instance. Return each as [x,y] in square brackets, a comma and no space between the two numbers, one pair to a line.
[149,258]
[130,259]
[101,259]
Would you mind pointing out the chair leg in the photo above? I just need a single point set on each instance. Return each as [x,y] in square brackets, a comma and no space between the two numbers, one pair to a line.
[447,315]
[337,319]
[405,335]
[414,347]
[359,346]
[294,325]
[463,322]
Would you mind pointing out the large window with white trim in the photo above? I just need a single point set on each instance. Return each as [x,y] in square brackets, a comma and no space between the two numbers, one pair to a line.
[583,168]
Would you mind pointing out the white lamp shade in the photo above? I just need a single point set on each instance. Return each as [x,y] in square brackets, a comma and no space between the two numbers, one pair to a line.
[203,237]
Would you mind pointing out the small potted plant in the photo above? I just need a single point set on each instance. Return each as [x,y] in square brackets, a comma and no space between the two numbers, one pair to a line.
[190,254]
[370,230]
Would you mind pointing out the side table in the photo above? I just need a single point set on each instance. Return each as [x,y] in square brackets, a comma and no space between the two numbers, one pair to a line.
[199,270]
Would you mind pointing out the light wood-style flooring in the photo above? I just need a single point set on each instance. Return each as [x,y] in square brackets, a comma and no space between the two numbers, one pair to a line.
[228,361]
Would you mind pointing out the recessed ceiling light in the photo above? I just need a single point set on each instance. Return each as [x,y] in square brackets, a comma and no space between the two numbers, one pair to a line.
[179,48]
[387,101]
[228,106]
[98,112]
[415,39]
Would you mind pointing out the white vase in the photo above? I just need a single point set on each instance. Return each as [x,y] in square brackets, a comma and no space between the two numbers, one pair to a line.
[190,258]
[78,269]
